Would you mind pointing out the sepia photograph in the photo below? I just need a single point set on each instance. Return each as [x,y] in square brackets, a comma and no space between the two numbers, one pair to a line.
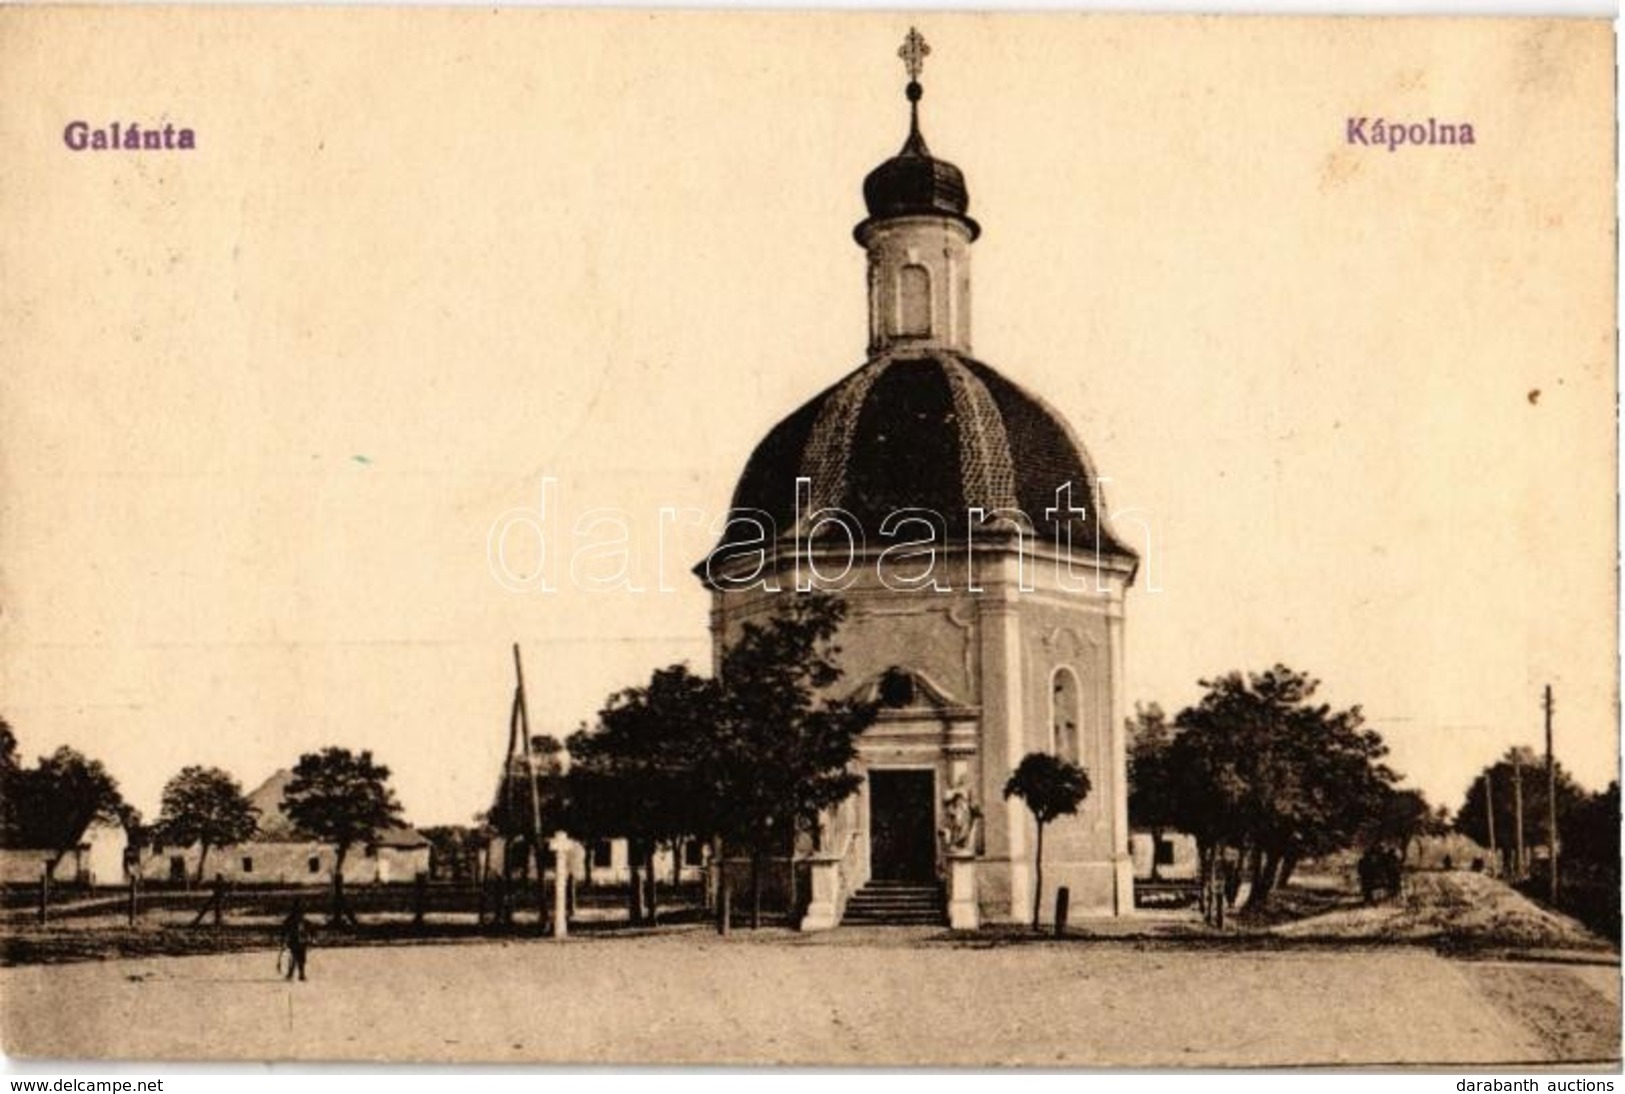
[808,539]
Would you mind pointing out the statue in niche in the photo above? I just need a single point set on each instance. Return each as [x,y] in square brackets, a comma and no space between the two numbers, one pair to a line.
[960,816]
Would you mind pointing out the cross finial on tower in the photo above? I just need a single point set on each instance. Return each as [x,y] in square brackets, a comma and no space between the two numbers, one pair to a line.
[914,51]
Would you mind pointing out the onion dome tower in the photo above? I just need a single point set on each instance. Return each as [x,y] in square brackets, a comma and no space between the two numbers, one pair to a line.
[963,522]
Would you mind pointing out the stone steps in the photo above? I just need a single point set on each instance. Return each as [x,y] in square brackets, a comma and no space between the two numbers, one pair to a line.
[893,903]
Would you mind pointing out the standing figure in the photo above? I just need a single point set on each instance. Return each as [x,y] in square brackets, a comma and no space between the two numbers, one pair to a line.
[216,903]
[296,936]
[960,814]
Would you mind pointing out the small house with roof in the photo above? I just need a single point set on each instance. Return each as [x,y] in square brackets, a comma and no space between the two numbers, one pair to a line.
[96,858]
[280,854]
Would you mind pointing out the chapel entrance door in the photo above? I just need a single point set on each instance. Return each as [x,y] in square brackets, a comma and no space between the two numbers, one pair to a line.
[902,826]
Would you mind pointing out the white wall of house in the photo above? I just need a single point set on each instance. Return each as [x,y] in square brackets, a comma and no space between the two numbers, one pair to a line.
[611,862]
[98,860]
[22,865]
[295,863]
[1178,861]
[608,862]
[101,854]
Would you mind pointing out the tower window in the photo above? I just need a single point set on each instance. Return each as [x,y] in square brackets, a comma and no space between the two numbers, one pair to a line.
[914,302]
[1064,712]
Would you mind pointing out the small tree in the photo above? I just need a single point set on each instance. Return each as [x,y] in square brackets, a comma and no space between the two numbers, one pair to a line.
[1153,784]
[1050,787]
[1471,819]
[1262,770]
[10,786]
[344,799]
[453,851]
[635,775]
[1402,818]
[1589,836]
[781,750]
[753,757]
[206,806]
[53,803]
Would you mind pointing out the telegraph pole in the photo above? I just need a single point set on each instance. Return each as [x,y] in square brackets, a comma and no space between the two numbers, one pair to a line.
[537,859]
[504,910]
[1520,859]
[1489,816]
[1551,804]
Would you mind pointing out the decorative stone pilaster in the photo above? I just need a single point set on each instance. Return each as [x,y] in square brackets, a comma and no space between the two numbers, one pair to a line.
[824,879]
[964,914]
[1122,861]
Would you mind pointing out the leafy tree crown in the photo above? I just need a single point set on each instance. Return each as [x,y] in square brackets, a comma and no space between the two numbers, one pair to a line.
[1050,786]
[341,797]
[205,805]
[51,804]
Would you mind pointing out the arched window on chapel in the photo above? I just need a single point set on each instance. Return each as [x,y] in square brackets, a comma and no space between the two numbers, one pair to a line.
[1064,716]
[914,301]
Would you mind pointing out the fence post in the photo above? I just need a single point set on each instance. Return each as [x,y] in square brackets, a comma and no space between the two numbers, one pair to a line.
[133,910]
[1063,903]
[420,897]
[44,888]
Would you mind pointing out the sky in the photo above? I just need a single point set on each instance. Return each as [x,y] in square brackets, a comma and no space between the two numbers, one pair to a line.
[263,402]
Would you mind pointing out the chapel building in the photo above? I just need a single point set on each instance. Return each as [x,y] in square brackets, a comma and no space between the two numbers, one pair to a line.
[1013,643]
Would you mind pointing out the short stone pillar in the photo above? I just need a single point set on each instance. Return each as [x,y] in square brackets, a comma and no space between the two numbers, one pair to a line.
[824,881]
[560,843]
[963,911]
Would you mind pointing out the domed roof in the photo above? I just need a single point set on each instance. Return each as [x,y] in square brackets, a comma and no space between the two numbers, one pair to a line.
[916,183]
[923,429]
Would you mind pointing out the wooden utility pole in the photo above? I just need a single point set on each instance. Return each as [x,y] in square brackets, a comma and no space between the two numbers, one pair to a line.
[504,908]
[482,880]
[1489,815]
[1551,805]
[535,791]
[1519,861]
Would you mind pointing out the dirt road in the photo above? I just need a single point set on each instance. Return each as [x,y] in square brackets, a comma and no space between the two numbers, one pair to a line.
[882,997]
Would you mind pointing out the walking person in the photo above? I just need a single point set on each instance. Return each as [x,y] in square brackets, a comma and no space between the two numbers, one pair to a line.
[296,938]
[216,904]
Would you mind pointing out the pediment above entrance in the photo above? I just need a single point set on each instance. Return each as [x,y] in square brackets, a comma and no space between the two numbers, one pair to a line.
[903,692]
